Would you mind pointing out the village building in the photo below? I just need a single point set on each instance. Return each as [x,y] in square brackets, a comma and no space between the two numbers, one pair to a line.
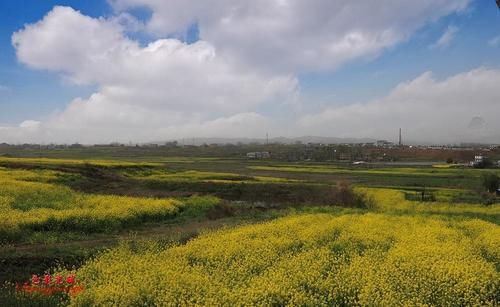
[259,155]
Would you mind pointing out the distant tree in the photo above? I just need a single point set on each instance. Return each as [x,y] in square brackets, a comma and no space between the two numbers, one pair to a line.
[449,160]
[486,163]
[491,182]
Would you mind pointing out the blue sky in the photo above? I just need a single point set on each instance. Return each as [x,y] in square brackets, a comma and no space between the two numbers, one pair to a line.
[37,94]
[30,93]
[375,77]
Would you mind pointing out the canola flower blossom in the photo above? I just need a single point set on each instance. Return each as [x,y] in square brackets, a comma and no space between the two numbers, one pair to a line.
[28,206]
[309,260]
[393,201]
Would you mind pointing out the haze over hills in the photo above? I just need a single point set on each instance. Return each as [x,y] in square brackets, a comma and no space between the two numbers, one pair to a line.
[279,140]
[199,141]
[323,140]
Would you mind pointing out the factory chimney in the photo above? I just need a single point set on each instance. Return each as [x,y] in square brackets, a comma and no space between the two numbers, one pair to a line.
[400,139]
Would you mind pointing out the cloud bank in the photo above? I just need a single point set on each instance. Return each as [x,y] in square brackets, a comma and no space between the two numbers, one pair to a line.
[428,110]
[295,35]
[165,89]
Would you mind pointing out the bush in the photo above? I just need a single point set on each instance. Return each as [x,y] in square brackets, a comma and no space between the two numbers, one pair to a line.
[491,182]
[345,196]
[421,194]
[487,198]
[487,163]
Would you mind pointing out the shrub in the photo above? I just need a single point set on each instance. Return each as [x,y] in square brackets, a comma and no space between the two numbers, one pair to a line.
[345,196]
[491,182]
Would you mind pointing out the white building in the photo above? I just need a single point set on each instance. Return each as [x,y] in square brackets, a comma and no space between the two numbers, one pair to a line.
[259,155]
[479,159]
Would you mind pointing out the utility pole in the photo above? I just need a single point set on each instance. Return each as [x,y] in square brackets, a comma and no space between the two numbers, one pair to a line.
[267,138]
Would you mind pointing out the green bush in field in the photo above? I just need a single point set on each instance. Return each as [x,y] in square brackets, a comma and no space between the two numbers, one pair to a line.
[491,182]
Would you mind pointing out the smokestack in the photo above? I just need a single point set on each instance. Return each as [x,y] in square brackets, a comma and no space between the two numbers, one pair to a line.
[400,139]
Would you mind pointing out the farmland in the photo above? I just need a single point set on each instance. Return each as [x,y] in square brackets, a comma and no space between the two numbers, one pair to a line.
[312,259]
[222,231]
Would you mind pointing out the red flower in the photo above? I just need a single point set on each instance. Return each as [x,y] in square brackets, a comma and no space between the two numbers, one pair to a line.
[47,279]
[35,279]
[70,279]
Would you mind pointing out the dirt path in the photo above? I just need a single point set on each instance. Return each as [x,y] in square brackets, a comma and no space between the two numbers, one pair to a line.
[19,261]
[175,232]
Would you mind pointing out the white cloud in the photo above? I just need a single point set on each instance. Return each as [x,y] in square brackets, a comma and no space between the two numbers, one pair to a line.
[426,109]
[165,74]
[68,42]
[295,35]
[30,124]
[152,92]
[446,38]
[495,41]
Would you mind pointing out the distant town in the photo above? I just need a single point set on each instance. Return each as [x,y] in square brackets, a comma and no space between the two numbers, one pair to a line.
[379,151]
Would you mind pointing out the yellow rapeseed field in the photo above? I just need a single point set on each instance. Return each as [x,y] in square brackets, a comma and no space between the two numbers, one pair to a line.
[27,205]
[74,162]
[396,253]
[391,200]
[309,260]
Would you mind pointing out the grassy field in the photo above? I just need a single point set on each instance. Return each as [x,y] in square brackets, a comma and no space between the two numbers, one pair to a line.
[207,231]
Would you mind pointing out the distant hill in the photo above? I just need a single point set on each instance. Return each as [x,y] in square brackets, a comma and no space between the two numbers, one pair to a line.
[280,140]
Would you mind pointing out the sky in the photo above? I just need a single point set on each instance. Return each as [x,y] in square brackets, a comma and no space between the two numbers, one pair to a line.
[154,70]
